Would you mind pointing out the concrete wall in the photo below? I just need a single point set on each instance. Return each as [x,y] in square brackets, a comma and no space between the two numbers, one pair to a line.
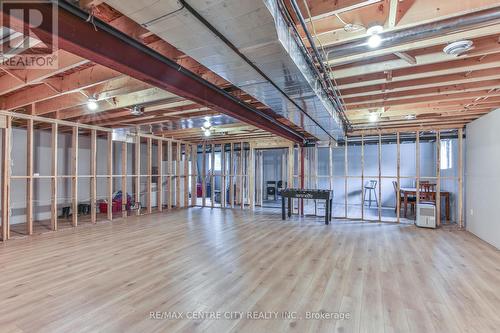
[483,178]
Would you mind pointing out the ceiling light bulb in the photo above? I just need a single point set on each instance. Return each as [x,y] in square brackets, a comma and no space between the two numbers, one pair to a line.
[207,124]
[207,133]
[373,117]
[92,104]
[374,41]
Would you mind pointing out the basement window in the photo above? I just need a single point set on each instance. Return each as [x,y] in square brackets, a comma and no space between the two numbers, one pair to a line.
[446,155]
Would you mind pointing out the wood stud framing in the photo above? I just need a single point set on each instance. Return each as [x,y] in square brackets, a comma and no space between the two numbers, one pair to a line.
[124,179]
[460,210]
[417,166]
[74,177]
[137,171]
[6,136]
[212,175]
[243,172]
[149,182]
[170,165]
[93,177]
[194,172]
[109,142]
[53,205]
[398,175]
[379,177]
[346,174]
[29,180]
[438,178]
[240,176]
[231,175]
[159,179]
[187,154]
[362,178]
[203,175]
[178,169]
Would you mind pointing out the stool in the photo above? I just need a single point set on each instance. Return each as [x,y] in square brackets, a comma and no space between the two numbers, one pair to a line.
[65,212]
[84,209]
[370,187]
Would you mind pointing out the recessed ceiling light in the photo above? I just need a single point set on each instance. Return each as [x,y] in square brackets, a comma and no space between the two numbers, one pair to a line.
[92,103]
[410,116]
[207,132]
[374,41]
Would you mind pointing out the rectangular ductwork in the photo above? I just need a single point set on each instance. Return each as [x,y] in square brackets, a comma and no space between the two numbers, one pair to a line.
[247,43]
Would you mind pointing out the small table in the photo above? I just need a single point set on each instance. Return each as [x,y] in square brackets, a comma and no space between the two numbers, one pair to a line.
[290,193]
[412,192]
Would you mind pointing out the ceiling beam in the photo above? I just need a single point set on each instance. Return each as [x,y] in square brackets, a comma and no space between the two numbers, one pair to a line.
[150,95]
[432,91]
[432,81]
[321,9]
[416,100]
[412,45]
[19,78]
[448,67]
[406,57]
[397,9]
[54,86]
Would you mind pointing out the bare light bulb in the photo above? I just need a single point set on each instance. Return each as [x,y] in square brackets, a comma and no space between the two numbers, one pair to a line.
[207,124]
[92,104]
[374,41]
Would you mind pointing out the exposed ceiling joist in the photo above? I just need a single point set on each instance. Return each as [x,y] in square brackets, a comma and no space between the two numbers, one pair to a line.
[406,57]
[326,8]
[397,9]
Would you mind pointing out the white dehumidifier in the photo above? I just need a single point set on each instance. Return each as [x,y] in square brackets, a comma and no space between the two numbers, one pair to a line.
[426,215]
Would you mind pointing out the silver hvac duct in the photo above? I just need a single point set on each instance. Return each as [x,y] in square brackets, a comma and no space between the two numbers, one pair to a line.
[272,69]
[484,17]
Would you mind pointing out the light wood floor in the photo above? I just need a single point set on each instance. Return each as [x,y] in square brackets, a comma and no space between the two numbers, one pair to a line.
[387,277]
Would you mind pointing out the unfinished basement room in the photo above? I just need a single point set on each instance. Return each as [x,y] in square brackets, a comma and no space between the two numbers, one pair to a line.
[250,166]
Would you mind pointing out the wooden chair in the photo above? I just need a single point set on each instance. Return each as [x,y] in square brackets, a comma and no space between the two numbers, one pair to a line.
[412,201]
[427,192]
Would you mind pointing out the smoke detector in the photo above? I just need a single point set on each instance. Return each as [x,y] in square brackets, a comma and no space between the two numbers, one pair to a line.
[458,48]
